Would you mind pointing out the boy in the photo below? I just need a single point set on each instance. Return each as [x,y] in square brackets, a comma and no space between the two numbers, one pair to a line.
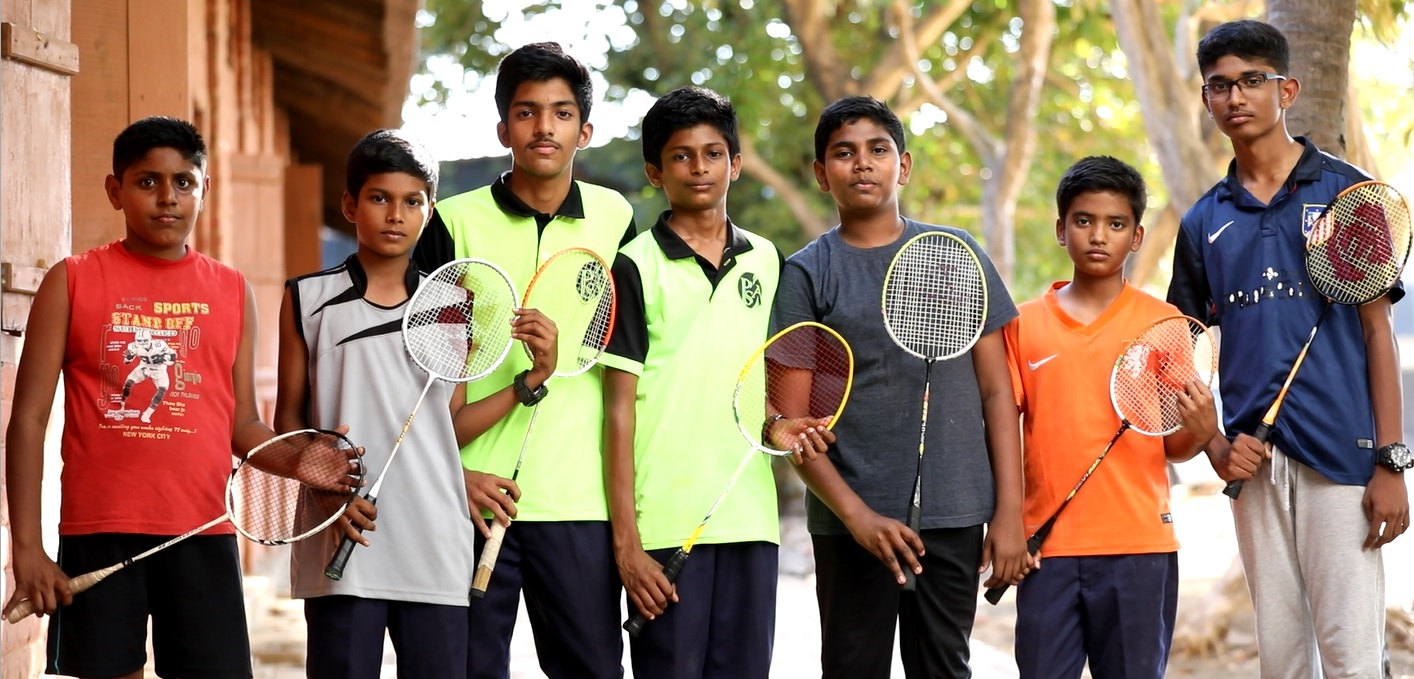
[1109,588]
[342,360]
[131,482]
[560,551]
[860,491]
[1329,490]
[698,286]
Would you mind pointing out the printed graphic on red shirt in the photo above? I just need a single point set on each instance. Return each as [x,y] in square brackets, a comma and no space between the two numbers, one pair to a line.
[147,349]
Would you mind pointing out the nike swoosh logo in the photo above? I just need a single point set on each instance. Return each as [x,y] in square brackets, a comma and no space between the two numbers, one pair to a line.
[1214,235]
[1036,364]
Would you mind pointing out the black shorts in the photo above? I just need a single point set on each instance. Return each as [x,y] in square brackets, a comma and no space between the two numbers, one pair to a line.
[192,590]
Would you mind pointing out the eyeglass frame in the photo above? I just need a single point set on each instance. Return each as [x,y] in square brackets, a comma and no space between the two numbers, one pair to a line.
[1237,82]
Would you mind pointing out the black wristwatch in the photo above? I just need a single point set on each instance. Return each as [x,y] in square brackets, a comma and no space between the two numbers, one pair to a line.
[1395,457]
[525,394]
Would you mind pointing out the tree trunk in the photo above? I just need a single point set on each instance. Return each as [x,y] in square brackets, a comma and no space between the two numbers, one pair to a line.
[1319,33]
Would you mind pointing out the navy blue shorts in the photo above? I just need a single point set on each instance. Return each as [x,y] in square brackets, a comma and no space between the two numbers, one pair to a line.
[724,623]
[1117,612]
[346,638]
[192,590]
[567,572]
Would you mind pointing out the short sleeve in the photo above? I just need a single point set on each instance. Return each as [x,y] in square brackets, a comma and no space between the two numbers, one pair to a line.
[628,343]
[435,246]
[1188,289]
[794,297]
[1000,307]
[1012,334]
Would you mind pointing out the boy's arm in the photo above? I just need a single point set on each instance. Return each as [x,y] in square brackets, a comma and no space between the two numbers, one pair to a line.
[247,430]
[648,589]
[1005,545]
[37,577]
[1199,416]
[1386,500]
[292,392]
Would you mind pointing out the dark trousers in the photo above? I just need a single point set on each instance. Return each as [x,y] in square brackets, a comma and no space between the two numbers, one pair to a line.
[724,623]
[346,638]
[860,602]
[567,572]
[1115,611]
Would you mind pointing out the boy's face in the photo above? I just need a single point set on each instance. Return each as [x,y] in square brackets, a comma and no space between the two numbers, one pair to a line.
[1245,111]
[1098,232]
[697,169]
[862,169]
[543,128]
[389,213]
[160,196]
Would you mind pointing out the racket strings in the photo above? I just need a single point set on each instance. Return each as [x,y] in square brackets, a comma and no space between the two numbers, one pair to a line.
[1357,248]
[275,509]
[804,372]
[458,322]
[1156,368]
[933,299]
[575,291]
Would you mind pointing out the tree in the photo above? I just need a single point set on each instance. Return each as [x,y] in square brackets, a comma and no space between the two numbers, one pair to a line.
[1319,33]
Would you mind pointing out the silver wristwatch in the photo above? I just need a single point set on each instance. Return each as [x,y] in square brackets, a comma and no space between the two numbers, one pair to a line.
[1395,457]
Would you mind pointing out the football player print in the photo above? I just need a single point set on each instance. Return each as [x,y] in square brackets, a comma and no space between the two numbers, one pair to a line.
[152,356]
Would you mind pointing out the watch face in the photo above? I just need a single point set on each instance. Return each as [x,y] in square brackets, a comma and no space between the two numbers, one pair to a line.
[1398,457]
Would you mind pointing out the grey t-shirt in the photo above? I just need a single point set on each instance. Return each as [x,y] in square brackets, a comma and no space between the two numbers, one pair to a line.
[841,286]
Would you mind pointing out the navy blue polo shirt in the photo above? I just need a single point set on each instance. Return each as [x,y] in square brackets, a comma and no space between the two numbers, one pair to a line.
[1241,264]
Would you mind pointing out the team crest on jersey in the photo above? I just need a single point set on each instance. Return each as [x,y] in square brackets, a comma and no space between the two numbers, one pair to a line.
[591,281]
[1309,214]
[750,289]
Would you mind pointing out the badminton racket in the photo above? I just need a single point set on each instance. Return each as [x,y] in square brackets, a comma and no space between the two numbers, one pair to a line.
[575,291]
[1145,384]
[803,372]
[1354,255]
[935,306]
[457,328]
[282,491]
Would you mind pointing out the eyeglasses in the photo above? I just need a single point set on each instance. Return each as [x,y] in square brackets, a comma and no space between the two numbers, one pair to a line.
[1222,89]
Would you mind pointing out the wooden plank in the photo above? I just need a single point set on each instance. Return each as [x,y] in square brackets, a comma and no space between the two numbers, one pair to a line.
[100,29]
[28,45]
[21,279]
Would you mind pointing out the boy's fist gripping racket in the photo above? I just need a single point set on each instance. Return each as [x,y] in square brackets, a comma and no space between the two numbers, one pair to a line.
[457,327]
[798,379]
[1145,385]
[576,292]
[1354,255]
[285,490]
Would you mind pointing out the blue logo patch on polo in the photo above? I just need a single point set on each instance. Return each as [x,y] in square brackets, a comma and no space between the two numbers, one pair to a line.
[1309,214]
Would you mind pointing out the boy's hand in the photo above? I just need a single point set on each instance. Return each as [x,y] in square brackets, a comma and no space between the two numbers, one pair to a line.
[807,438]
[323,453]
[1386,506]
[38,579]
[648,589]
[490,493]
[1198,411]
[1239,460]
[360,514]
[887,539]
[542,338]
[1004,551]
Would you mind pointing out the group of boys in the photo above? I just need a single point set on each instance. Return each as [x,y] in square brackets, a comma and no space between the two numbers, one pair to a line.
[641,447]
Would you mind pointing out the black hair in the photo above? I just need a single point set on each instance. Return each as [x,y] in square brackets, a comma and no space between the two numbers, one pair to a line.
[1248,40]
[155,132]
[388,151]
[539,62]
[849,110]
[684,108]
[1102,173]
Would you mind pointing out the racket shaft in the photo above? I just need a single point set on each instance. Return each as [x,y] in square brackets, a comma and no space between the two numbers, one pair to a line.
[915,508]
[670,571]
[491,551]
[1264,430]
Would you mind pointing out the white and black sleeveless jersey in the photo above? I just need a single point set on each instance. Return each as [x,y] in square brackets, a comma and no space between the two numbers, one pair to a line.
[360,375]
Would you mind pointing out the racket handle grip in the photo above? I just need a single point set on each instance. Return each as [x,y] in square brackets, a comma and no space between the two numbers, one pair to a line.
[76,585]
[490,552]
[1263,434]
[1033,547]
[910,581]
[670,571]
[335,569]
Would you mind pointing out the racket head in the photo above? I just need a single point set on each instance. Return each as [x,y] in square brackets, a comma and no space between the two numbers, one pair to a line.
[275,510]
[575,290]
[935,296]
[457,326]
[1359,244]
[803,371]
[1156,367]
